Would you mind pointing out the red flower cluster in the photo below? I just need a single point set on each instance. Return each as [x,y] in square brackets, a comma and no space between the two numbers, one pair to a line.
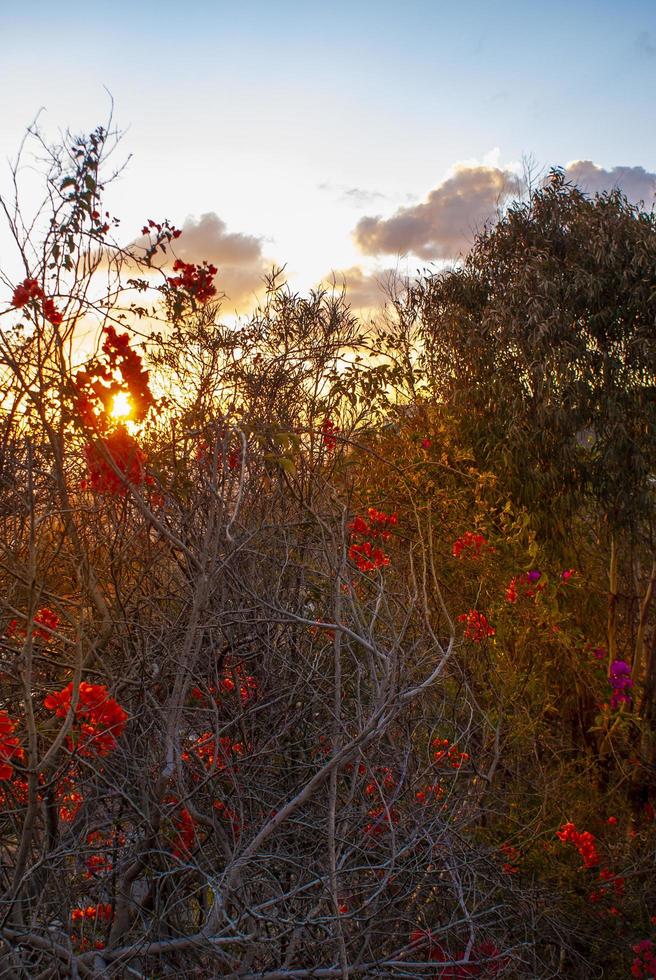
[484,959]
[477,628]
[101,862]
[120,448]
[184,840]
[321,629]
[122,358]
[382,820]
[9,746]
[644,964]
[364,553]
[448,754]
[51,313]
[164,228]
[69,799]
[196,280]
[101,719]
[228,814]
[583,841]
[202,455]
[43,617]
[525,586]
[512,856]
[432,791]
[28,290]
[96,912]
[386,780]
[368,558]
[213,754]
[608,880]
[120,371]
[470,545]
[328,433]
[237,681]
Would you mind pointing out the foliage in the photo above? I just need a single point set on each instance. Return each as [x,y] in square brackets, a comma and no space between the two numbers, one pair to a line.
[294,681]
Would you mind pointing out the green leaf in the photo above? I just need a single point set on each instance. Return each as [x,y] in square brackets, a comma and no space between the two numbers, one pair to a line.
[287,465]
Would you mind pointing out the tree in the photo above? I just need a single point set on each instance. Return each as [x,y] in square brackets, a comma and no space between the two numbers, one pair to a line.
[546,335]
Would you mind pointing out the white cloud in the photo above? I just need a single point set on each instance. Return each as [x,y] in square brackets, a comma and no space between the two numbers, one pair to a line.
[637,183]
[444,224]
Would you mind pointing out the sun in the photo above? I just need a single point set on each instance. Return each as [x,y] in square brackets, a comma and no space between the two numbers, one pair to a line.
[121,407]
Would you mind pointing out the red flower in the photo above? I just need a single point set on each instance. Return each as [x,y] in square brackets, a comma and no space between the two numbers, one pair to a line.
[27,290]
[510,867]
[184,839]
[382,820]
[120,372]
[9,746]
[96,912]
[328,433]
[470,545]
[477,628]
[30,289]
[448,754]
[101,720]
[128,458]
[44,617]
[364,554]
[196,280]
[47,618]
[524,586]
[583,841]
[644,965]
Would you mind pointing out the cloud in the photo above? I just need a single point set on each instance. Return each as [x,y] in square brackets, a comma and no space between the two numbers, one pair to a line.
[357,196]
[364,290]
[637,183]
[361,196]
[238,257]
[444,224]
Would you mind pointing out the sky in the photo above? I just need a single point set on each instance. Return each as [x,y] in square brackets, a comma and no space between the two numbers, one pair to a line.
[344,138]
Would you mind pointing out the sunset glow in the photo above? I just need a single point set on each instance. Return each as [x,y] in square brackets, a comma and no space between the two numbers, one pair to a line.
[121,407]
[327,512]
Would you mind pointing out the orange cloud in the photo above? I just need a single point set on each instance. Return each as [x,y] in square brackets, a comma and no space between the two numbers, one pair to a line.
[364,290]
[238,256]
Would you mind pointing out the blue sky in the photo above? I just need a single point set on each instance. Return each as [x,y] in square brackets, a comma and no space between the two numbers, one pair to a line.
[291,121]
